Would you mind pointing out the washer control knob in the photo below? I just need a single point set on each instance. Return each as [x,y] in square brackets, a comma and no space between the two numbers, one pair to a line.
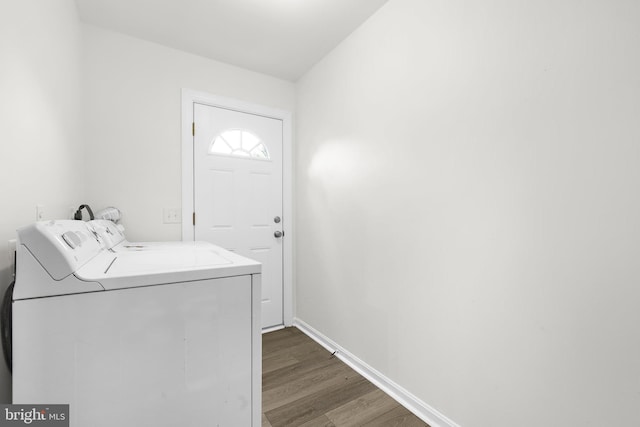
[72,239]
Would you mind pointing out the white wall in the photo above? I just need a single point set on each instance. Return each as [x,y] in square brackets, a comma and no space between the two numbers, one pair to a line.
[40,147]
[468,212]
[90,116]
[132,106]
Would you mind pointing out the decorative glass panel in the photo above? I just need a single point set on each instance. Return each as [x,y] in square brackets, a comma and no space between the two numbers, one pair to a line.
[233,138]
[220,146]
[240,143]
[260,152]
[249,141]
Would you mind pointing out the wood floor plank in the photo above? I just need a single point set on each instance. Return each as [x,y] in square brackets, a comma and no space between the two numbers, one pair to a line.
[305,386]
[308,384]
[265,421]
[274,342]
[307,349]
[397,417]
[362,409]
[296,371]
[280,334]
[321,421]
[275,363]
[310,407]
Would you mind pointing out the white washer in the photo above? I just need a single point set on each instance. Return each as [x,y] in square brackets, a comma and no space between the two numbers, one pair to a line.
[165,337]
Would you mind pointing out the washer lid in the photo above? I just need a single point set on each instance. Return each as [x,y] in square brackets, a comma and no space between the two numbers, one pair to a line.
[144,268]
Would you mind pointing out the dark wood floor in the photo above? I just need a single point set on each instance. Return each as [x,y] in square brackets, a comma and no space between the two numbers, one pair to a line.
[303,385]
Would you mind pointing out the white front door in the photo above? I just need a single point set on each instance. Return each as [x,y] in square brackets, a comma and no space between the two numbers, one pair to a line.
[238,192]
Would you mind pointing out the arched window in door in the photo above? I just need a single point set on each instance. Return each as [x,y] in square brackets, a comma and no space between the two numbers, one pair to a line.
[239,143]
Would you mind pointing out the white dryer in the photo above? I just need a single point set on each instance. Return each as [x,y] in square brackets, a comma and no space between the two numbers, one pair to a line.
[165,337]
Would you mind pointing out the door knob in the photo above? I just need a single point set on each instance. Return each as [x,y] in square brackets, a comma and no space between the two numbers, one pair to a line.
[276,219]
[278,234]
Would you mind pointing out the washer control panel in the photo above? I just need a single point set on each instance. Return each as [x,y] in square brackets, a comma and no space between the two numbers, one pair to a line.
[61,246]
[108,233]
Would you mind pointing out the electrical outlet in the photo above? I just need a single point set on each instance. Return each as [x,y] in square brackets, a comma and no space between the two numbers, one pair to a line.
[39,213]
[172,216]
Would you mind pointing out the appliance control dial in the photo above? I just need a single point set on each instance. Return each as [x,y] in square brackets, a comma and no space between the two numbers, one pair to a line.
[72,239]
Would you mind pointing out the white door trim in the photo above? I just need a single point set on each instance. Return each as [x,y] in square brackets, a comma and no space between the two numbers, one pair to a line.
[189,97]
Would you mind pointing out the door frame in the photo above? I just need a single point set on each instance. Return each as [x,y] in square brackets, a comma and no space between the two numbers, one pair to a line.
[190,97]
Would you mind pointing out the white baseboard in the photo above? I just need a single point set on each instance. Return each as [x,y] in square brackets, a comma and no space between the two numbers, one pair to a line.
[423,411]
[272,328]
